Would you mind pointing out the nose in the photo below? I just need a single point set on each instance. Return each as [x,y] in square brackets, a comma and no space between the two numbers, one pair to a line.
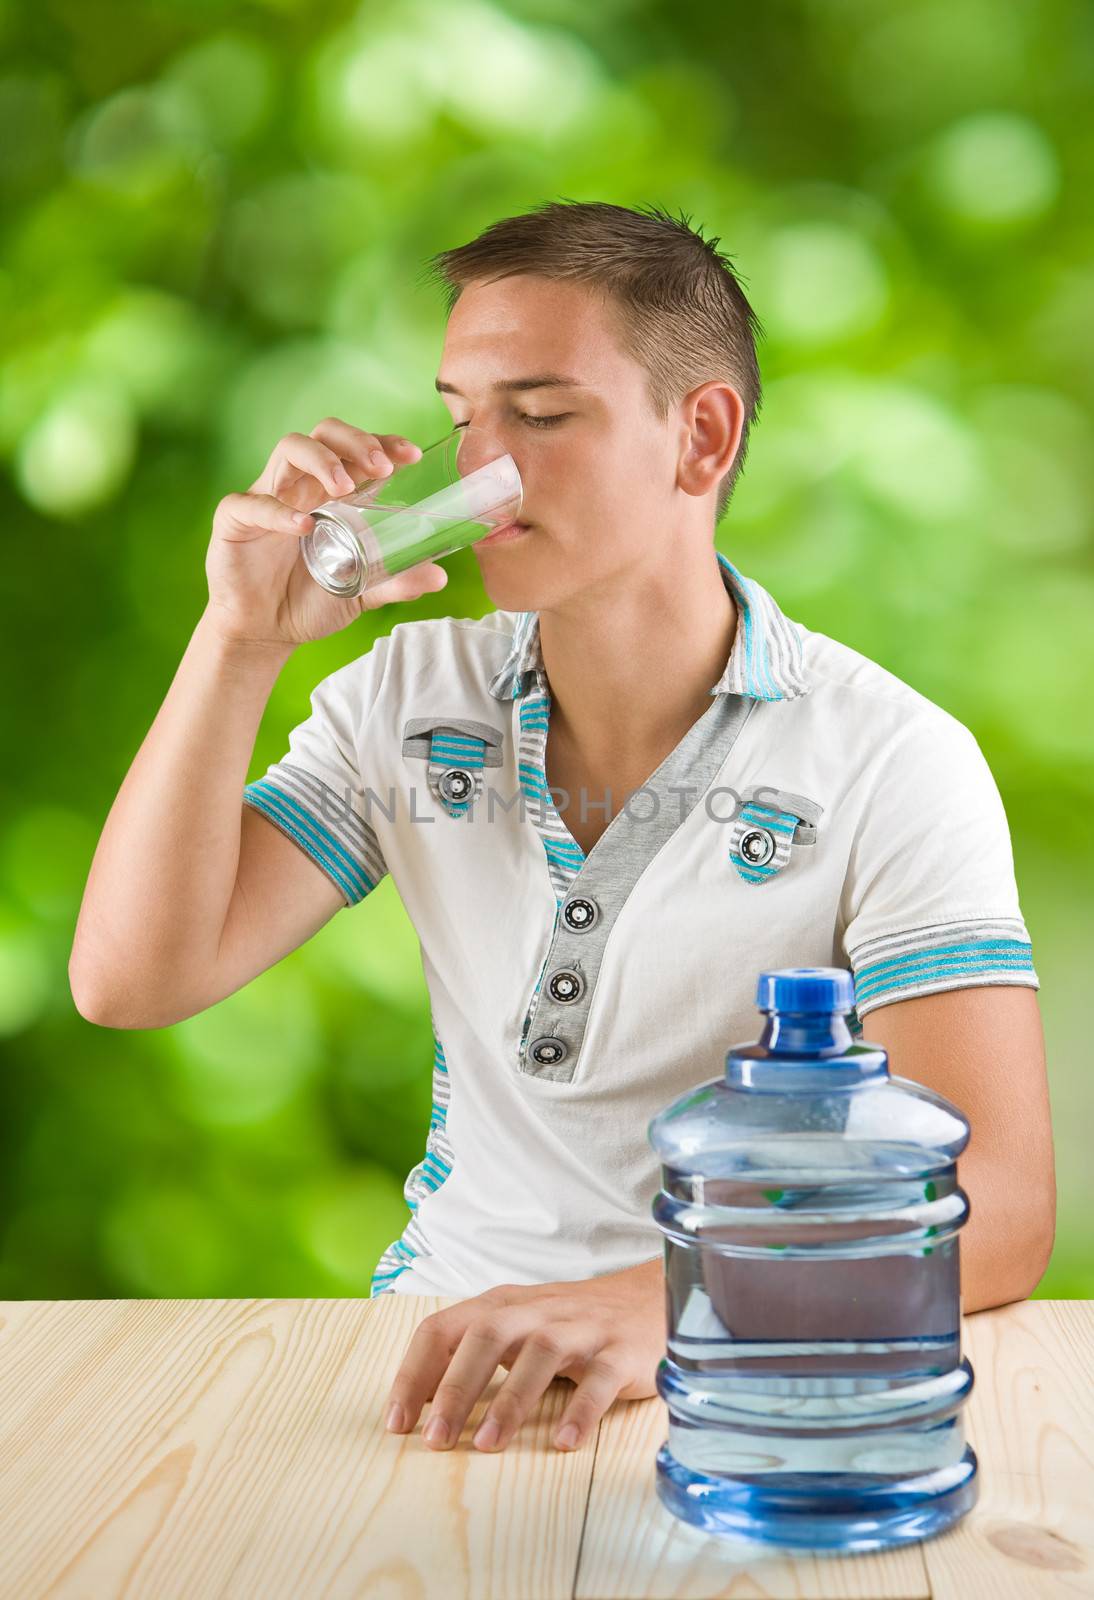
[476,450]
[473,451]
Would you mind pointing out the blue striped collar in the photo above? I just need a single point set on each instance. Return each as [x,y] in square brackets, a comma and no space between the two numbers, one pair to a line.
[765,663]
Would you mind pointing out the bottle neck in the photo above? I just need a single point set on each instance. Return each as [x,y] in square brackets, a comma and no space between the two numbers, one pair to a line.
[799,1032]
[805,1052]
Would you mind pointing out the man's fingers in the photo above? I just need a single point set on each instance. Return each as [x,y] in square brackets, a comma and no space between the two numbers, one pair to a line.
[247,516]
[544,1353]
[452,1357]
[426,1360]
[367,451]
[471,1369]
[426,577]
[299,453]
[431,1348]
[605,1375]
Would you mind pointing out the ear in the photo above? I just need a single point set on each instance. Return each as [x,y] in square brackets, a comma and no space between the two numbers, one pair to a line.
[713,417]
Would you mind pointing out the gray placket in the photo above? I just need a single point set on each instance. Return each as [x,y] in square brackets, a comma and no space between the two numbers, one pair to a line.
[559,1012]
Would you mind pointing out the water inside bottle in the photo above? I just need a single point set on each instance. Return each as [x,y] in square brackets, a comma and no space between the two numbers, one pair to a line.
[782,1298]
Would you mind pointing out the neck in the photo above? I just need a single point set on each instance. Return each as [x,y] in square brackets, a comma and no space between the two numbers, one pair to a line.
[632,662]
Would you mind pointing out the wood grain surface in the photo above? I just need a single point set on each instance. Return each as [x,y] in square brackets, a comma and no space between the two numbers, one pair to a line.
[207,1448]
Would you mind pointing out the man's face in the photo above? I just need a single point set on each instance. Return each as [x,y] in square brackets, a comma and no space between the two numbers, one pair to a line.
[599,482]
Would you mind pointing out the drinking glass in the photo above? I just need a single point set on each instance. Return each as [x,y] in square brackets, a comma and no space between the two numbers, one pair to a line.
[459,490]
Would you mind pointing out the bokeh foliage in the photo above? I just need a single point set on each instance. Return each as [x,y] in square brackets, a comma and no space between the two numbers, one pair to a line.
[214,221]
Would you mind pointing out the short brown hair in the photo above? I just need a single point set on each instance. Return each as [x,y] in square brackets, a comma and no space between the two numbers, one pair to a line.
[678,307]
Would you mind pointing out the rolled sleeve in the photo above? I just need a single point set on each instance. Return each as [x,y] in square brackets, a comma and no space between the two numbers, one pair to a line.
[931,900]
[315,792]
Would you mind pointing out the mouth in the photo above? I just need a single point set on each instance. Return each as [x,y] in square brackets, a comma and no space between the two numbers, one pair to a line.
[503,535]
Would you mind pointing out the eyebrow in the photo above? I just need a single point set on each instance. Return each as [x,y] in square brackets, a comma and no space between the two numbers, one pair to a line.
[543,380]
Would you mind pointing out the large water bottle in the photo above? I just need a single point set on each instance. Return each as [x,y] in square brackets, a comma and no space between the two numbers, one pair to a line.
[810,1204]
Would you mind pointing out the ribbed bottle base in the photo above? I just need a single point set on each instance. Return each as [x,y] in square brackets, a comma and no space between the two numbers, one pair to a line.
[836,1512]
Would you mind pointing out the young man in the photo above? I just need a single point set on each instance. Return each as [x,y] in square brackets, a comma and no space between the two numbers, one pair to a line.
[607,805]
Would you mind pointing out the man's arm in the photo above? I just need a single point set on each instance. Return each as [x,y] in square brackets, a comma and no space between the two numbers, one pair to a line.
[983,1049]
[164,877]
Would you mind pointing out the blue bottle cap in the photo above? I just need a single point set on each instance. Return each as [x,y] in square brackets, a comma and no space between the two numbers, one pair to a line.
[822,989]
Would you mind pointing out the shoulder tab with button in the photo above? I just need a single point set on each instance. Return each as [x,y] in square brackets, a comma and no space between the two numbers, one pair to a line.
[769,823]
[456,749]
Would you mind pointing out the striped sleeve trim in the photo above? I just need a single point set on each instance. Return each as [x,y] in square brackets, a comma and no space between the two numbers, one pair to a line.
[320,822]
[950,955]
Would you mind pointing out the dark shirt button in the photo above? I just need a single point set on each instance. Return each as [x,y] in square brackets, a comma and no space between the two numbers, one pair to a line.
[565,985]
[580,913]
[757,847]
[547,1051]
[455,784]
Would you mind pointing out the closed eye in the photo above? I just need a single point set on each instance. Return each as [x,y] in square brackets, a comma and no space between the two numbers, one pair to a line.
[534,422]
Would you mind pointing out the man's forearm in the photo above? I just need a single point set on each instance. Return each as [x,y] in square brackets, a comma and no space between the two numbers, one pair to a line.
[983,1050]
[644,1272]
[1007,1241]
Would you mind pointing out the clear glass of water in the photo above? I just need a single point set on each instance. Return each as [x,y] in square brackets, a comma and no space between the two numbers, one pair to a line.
[459,490]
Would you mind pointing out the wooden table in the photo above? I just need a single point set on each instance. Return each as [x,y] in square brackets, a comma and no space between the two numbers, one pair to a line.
[203,1448]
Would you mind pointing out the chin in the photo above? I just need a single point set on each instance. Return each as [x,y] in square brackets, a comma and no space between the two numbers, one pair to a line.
[509,593]
[510,580]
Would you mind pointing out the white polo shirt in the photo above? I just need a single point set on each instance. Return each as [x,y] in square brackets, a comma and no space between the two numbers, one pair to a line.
[821,812]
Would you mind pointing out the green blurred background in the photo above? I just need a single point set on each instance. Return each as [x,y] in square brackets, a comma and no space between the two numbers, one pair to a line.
[215,220]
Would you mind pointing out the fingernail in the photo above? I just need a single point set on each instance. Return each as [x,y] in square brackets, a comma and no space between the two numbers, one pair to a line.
[344,480]
[436,1431]
[566,1437]
[488,1434]
[396,1417]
